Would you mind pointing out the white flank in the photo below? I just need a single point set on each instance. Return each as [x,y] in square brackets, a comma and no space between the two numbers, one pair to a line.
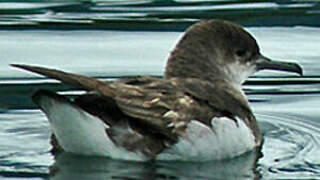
[81,133]
[201,143]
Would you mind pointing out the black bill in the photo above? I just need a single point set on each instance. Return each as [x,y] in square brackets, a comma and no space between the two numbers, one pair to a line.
[264,63]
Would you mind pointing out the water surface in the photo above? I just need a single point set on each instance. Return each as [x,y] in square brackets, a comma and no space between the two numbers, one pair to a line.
[109,39]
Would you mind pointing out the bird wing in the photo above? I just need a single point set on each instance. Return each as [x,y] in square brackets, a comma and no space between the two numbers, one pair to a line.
[220,95]
[158,104]
[158,110]
[165,106]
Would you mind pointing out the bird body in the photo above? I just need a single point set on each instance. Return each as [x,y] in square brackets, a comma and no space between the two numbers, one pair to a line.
[197,112]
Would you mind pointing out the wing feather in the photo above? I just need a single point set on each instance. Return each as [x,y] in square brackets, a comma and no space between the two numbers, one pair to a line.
[87,83]
[164,104]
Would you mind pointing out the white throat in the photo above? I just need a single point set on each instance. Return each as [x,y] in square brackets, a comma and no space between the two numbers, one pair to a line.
[238,73]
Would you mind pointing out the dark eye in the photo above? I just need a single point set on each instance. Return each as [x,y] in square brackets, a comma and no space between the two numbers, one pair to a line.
[241,53]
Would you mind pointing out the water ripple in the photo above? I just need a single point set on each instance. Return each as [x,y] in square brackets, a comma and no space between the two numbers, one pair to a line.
[289,145]
[109,14]
[24,144]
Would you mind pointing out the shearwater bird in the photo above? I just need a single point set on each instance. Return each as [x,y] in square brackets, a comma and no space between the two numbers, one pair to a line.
[197,112]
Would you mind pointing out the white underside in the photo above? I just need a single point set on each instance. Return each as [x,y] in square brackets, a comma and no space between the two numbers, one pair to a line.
[81,133]
[225,140]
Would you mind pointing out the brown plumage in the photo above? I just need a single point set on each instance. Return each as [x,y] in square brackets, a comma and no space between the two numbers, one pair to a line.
[164,106]
[149,114]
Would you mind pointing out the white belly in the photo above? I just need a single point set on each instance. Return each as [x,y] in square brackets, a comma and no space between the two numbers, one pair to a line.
[225,140]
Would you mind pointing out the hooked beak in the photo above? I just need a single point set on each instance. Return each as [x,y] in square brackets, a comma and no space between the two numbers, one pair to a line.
[266,63]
